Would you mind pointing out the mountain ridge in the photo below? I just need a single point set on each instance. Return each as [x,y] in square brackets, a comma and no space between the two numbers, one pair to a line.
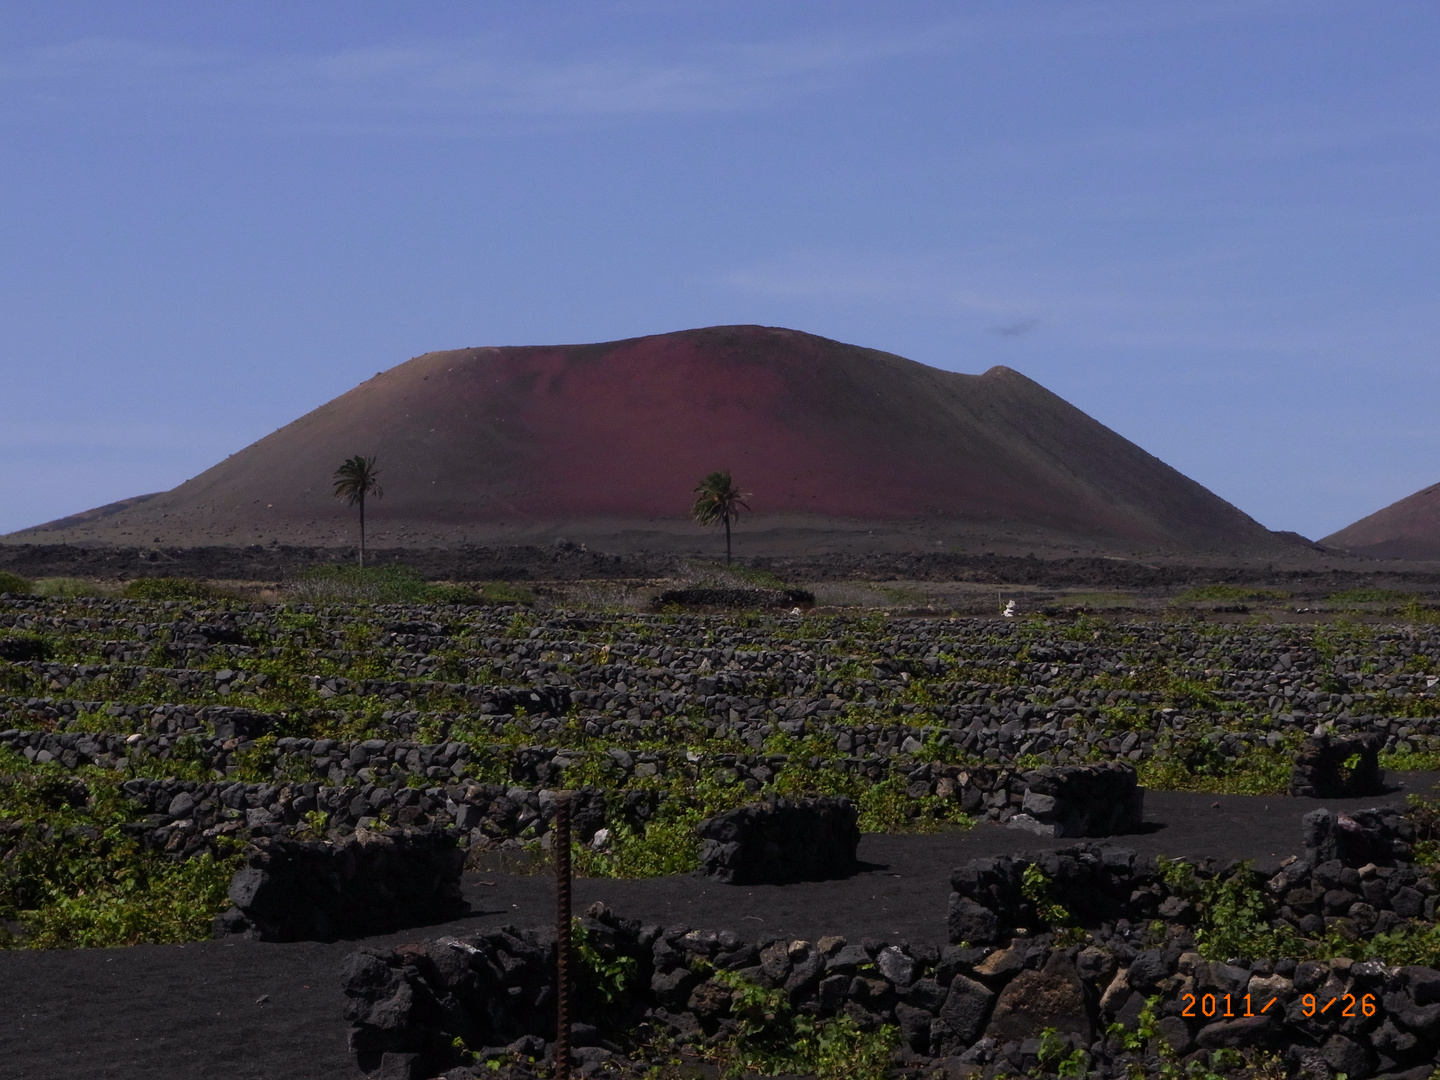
[604,439]
[1406,529]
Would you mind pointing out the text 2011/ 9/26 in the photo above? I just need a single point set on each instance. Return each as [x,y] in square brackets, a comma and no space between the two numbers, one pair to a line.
[1228,1006]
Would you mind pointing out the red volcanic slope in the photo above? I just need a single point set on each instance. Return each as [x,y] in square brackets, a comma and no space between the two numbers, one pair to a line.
[1408,529]
[622,431]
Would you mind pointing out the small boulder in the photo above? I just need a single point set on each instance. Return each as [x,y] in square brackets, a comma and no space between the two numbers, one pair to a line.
[1033,1001]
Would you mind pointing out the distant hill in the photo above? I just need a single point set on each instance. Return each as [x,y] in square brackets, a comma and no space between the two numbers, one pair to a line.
[605,442]
[1408,529]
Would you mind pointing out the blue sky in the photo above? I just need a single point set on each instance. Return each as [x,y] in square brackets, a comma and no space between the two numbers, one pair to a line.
[1212,226]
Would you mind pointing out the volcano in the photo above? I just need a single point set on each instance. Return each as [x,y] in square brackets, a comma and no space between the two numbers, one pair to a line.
[1408,529]
[607,441]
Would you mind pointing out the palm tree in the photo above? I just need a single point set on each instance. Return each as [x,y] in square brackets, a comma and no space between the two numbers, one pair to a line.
[718,501]
[354,480]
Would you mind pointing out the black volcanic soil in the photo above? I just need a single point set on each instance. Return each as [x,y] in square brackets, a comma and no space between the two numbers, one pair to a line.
[250,1011]
[1112,573]
[1305,576]
[279,562]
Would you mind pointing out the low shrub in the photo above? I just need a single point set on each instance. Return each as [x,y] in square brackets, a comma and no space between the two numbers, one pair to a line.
[1235,916]
[1411,943]
[1229,594]
[14,583]
[885,806]
[772,1039]
[1037,888]
[699,572]
[151,901]
[1147,1037]
[1199,764]
[1369,596]
[605,979]
[656,849]
[344,584]
[336,584]
[504,592]
[1098,600]
[69,588]
[666,843]
[170,588]
[1415,612]
[1424,815]
[73,877]
[1412,761]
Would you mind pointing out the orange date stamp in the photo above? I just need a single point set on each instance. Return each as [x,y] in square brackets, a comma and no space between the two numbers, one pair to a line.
[1220,1005]
[1228,1006]
[1349,1004]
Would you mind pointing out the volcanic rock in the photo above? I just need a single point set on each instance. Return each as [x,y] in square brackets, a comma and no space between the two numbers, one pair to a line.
[1408,529]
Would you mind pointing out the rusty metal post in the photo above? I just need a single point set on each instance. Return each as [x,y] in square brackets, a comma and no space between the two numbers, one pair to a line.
[561,846]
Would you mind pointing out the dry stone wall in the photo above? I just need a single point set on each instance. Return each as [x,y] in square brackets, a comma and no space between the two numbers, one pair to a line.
[975,1010]
[979,1006]
[368,784]
[779,841]
[1081,800]
[1005,693]
[369,883]
[1327,767]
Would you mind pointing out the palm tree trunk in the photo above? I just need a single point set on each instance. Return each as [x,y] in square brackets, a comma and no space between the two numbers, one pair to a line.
[727,540]
[362,530]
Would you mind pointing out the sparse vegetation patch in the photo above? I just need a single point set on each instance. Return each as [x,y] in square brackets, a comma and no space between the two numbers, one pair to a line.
[377,683]
[1229,594]
[14,583]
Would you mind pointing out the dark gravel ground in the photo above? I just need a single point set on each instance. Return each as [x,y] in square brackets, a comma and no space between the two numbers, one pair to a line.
[256,563]
[250,1011]
[1304,572]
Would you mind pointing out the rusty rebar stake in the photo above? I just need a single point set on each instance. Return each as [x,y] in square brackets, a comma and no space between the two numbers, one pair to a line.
[561,847]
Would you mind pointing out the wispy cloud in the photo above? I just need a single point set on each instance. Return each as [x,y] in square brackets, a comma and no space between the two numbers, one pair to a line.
[102,61]
[497,73]
[419,79]
[478,76]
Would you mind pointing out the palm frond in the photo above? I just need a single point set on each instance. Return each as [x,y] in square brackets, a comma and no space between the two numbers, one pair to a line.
[718,500]
[356,479]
